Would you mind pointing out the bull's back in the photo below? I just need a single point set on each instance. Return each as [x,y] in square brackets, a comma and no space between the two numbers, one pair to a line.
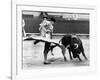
[66,40]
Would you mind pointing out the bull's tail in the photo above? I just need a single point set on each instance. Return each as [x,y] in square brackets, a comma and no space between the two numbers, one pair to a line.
[53,46]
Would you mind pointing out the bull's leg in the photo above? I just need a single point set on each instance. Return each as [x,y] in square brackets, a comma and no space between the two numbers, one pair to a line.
[63,52]
[70,54]
[46,50]
[84,55]
[79,57]
[82,49]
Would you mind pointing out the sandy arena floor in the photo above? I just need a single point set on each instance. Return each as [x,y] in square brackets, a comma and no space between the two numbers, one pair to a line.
[33,55]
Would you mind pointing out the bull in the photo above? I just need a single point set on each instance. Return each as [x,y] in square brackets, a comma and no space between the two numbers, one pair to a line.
[74,46]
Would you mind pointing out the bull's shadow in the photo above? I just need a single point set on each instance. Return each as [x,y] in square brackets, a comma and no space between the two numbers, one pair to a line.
[74,62]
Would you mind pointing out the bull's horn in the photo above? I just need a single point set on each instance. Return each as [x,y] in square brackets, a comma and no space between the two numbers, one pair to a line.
[76,45]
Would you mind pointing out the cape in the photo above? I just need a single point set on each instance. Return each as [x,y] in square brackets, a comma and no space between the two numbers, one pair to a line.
[41,39]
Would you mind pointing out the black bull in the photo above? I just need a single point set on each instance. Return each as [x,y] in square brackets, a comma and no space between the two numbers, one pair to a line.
[73,44]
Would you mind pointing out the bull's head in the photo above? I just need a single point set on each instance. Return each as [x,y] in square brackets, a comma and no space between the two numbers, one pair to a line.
[74,43]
